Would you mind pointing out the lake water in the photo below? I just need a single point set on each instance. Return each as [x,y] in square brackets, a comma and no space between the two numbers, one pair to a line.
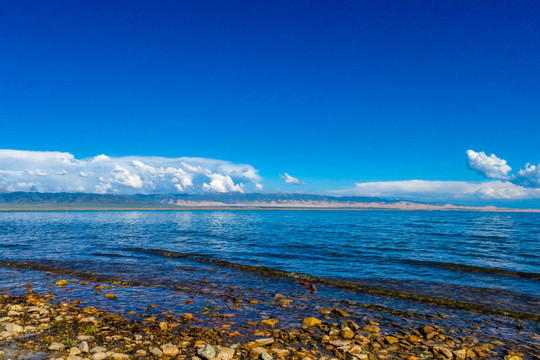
[400,267]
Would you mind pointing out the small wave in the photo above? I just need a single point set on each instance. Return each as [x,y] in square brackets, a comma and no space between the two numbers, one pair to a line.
[349,285]
[472,268]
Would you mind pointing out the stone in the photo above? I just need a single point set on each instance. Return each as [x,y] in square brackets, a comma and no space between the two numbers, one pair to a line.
[266,356]
[391,339]
[225,353]
[207,352]
[74,351]
[265,341]
[347,333]
[311,321]
[187,317]
[55,346]
[118,356]
[339,343]
[371,328]
[15,308]
[5,319]
[169,349]
[85,337]
[443,350]
[111,297]
[460,354]
[280,352]
[156,352]
[339,312]
[98,349]
[163,326]
[513,357]
[141,353]
[61,283]
[269,322]
[84,347]
[99,356]
[13,328]
[355,350]
[414,338]
[256,352]
[73,357]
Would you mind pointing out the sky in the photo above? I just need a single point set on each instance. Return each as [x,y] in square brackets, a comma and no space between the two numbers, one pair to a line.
[422,100]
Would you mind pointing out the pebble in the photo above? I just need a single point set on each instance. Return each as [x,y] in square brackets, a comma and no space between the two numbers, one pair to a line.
[371,328]
[99,356]
[84,347]
[225,354]
[13,328]
[118,356]
[207,352]
[98,349]
[169,349]
[74,351]
[61,283]
[311,321]
[156,352]
[265,341]
[55,346]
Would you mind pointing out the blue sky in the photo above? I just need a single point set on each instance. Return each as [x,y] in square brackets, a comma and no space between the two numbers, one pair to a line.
[331,93]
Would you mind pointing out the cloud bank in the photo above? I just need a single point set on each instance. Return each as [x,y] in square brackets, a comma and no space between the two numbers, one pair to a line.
[502,185]
[291,180]
[446,190]
[50,171]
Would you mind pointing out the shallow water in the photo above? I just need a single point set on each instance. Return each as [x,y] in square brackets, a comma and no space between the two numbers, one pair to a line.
[475,267]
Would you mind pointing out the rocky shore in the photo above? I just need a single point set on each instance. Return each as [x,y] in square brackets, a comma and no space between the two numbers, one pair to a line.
[35,326]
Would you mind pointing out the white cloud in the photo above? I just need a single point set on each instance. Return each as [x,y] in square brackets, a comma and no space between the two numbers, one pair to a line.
[489,166]
[529,176]
[57,171]
[291,180]
[424,190]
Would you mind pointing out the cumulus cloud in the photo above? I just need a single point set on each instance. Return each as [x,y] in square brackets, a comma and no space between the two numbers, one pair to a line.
[291,180]
[529,176]
[491,166]
[445,190]
[49,171]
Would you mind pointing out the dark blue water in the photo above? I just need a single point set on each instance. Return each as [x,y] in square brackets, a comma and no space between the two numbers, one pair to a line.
[404,261]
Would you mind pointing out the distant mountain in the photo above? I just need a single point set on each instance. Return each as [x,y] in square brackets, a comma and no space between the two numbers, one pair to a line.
[82,201]
[216,199]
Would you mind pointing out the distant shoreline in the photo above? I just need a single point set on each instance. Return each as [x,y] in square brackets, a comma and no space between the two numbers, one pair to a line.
[34,208]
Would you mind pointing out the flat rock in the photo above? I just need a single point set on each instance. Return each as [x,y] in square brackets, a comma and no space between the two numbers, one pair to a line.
[98,349]
[74,351]
[338,343]
[99,356]
[55,346]
[311,321]
[169,349]
[207,352]
[118,356]
[13,328]
[156,352]
[224,354]
[371,328]
[265,341]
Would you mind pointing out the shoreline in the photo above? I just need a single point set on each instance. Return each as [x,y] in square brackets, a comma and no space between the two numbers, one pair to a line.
[262,208]
[37,326]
